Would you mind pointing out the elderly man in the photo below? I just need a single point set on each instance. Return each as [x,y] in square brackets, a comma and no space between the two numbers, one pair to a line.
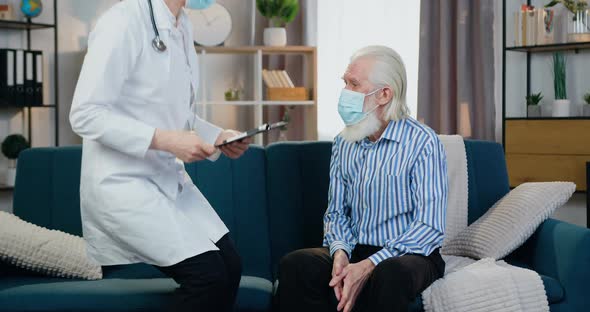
[385,220]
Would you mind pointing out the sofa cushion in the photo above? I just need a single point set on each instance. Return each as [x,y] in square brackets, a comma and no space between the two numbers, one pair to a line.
[298,179]
[47,190]
[487,174]
[237,191]
[48,183]
[135,287]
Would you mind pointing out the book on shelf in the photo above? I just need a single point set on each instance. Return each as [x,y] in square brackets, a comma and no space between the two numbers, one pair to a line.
[277,79]
[534,26]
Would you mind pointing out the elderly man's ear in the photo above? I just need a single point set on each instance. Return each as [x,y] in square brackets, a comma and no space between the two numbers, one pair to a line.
[384,96]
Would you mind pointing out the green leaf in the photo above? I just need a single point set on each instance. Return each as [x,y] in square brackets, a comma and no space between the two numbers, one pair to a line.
[552,3]
[288,13]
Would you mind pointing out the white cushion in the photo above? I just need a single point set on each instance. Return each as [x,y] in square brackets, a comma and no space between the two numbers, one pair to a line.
[49,252]
[511,221]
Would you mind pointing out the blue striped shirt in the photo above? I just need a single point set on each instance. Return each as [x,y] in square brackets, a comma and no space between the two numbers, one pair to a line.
[391,193]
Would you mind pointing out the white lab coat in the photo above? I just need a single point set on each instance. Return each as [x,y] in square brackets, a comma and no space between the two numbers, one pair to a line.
[138,204]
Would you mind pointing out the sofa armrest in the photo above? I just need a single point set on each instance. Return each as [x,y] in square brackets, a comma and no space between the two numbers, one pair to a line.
[561,250]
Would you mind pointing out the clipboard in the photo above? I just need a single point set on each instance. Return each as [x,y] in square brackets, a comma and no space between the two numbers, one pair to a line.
[250,133]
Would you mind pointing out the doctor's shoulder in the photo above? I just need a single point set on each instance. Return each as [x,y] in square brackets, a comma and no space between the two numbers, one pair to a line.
[121,22]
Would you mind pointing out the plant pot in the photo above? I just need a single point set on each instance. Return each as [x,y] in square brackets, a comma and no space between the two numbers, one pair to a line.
[275,37]
[586,110]
[10,176]
[561,108]
[533,111]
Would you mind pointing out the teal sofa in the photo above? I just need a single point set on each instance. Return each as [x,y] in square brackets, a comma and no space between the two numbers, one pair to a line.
[273,201]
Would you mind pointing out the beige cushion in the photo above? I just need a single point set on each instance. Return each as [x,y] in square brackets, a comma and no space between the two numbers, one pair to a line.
[511,221]
[49,252]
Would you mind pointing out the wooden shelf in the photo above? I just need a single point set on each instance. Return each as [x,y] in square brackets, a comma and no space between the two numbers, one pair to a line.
[550,118]
[19,25]
[26,106]
[265,103]
[6,188]
[574,46]
[254,49]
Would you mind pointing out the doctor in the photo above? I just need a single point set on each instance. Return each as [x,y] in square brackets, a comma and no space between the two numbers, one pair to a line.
[132,107]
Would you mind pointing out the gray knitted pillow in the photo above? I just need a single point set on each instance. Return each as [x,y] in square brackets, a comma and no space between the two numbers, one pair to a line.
[511,221]
[49,252]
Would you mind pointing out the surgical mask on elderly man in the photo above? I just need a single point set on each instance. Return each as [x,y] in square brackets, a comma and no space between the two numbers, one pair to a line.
[198,4]
[350,106]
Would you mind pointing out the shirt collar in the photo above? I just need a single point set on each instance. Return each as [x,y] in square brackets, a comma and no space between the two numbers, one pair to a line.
[164,17]
[394,130]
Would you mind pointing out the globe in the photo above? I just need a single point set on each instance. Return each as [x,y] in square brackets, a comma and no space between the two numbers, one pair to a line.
[31,8]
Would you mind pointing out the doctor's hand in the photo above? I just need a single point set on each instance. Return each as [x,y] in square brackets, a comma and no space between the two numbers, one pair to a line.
[233,150]
[186,145]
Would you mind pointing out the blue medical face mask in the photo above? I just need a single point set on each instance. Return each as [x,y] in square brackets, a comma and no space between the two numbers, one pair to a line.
[350,106]
[198,4]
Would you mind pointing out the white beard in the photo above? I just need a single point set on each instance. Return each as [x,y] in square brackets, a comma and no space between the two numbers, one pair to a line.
[362,129]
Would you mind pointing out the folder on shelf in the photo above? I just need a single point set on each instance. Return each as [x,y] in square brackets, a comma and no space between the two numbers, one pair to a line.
[19,96]
[29,78]
[6,76]
[38,84]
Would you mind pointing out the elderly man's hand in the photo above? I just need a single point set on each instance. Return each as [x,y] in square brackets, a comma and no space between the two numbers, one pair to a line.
[340,262]
[353,277]
[235,149]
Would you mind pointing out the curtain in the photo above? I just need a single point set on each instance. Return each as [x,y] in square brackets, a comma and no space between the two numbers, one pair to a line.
[456,68]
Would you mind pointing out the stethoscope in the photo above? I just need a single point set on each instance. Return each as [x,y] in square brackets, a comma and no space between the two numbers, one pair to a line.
[157,43]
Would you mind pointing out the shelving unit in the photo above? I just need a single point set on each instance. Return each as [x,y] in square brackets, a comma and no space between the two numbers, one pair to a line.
[257,53]
[29,26]
[545,148]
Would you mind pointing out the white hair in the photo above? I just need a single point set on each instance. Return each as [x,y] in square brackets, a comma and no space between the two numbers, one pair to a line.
[388,70]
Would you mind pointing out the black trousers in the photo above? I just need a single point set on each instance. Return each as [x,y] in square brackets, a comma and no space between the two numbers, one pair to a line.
[396,282]
[209,281]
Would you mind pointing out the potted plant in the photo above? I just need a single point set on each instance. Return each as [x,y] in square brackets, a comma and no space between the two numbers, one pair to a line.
[12,146]
[533,107]
[279,13]
[287,118]
[578,18]
[586,105]
[561,105]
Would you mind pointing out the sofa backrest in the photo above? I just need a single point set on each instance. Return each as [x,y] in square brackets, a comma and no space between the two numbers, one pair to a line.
[48,182]
[273,202]
[298,180]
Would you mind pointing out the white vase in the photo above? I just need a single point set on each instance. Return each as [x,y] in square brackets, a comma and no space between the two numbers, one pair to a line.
[10,176]
[275,36]
[586,110]
[561,108]
[533,111]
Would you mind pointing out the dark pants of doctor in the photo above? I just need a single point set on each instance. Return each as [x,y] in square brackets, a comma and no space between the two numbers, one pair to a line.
[396,282]
[209,281]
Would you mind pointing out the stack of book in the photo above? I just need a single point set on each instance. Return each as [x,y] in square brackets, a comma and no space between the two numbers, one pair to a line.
[280,87]
[277,79]
[21,77]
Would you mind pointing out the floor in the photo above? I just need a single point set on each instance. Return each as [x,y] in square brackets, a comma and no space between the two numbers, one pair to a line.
[574,211]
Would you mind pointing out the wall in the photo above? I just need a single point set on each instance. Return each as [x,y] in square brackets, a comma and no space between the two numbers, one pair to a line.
[344,28]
